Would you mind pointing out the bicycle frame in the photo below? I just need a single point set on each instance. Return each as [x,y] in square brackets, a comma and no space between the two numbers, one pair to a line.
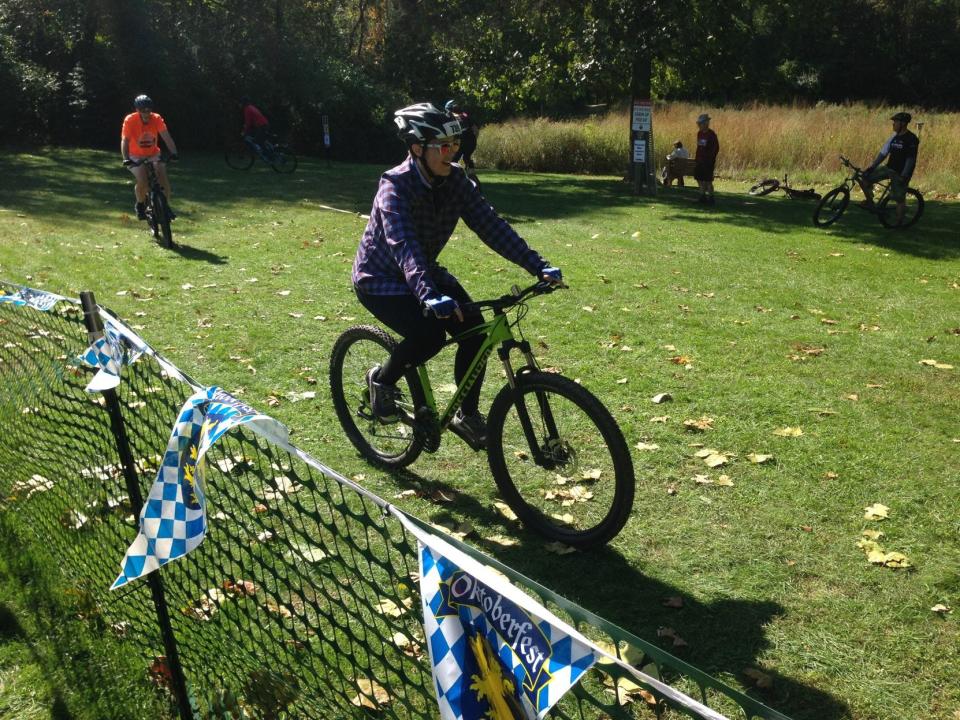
[496,332]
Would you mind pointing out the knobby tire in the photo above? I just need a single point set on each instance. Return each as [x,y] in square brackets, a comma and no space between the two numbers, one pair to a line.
[588,452]
[358,349]
[831,206]
[887,210]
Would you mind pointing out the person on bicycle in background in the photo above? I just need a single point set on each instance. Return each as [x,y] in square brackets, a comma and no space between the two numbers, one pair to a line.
[468,139]
[256,127]
[395,272]
[139,144]
[900,150]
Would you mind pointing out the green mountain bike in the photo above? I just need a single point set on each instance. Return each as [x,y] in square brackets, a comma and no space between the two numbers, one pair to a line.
[558,457]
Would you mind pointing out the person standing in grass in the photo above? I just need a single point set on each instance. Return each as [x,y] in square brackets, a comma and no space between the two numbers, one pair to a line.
[900,150]
[708,147]
[396,275]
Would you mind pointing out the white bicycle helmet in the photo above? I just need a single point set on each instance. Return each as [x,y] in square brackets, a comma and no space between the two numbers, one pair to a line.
[419,124]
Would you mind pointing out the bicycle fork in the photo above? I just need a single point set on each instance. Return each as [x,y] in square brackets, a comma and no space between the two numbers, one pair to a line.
[552,443]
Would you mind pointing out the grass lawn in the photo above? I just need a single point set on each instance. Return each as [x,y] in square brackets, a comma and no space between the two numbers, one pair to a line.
[775,324]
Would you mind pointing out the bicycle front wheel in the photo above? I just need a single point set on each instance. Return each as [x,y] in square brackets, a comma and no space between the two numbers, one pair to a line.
[560,460]
[765,187]
[162,210]
[831,207]
[283,161]
[887,210]
[239,158]
[355,352]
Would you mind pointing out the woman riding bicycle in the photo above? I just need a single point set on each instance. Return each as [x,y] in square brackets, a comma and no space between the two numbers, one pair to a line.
[396,275]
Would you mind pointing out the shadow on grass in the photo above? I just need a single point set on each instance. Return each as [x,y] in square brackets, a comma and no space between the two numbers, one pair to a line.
[724,637]
[79,186]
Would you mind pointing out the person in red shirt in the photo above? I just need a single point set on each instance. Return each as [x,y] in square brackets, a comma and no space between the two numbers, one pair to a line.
[139,144]
[706,158]
[256,127]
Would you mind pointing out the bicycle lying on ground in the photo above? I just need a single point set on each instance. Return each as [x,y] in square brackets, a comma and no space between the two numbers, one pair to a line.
[769,185]
[156,205]
[557,455]
[279,156]
[835,202]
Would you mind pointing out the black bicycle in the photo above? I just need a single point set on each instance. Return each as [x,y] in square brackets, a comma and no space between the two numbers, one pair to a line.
[157,207]
[769,185]
[835,202]
[277,155]
[557,455]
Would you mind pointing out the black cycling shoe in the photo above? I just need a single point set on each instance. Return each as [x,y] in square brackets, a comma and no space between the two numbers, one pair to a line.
[472,429]
[141,210]
[171,213]
[383,398]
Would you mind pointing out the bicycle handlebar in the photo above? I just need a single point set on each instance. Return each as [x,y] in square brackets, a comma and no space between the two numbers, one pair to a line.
[541,287]
[845,161]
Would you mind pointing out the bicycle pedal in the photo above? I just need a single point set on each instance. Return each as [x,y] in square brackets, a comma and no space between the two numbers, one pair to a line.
[471,442]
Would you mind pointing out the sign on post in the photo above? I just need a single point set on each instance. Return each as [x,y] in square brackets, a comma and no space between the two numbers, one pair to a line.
[326,131]
[641,146]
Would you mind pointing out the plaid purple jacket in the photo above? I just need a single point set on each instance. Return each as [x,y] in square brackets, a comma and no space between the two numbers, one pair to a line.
[411,222]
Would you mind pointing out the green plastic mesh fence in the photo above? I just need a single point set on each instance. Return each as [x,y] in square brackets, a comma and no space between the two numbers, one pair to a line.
[303,600]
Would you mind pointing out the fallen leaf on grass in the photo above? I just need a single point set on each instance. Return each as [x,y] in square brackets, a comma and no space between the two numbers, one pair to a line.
[661,398]
[501,540]
[699,425]
[660,419]
[876,512]
[386,606]
[647,446]
[936,364]
[668,632]
[941,609]
[716,460]
[724,481]
[788,432]
[760,679]
[558,548]
[505,510]
[758,459]
[873,534]
[371,695]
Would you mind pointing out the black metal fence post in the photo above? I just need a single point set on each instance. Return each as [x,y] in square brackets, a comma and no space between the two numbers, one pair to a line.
[91,318]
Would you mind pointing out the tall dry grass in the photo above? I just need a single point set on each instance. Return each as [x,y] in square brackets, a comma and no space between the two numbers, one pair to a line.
[755,140]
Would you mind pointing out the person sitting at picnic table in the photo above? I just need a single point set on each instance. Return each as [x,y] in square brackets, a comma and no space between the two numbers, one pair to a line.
[679,152]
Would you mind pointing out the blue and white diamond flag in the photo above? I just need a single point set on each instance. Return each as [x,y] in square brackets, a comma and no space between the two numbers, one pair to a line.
[496,652]
[173,520]
[37,299]
[118,346]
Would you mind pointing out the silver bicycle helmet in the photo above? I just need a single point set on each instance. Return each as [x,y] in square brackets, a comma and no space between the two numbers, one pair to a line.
[143,102]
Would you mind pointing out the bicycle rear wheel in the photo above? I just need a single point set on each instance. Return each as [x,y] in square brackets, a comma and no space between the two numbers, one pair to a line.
[765,187]
[283,160]
[239,158]
[357,350]
[560,460]
[887,210]
[831,207]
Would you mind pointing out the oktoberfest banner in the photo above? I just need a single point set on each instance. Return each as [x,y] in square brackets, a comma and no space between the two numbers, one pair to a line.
[118,346]
[173,520]
[496,653]
[37,299]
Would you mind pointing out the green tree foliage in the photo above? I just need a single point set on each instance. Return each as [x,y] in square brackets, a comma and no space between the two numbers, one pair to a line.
[69,68]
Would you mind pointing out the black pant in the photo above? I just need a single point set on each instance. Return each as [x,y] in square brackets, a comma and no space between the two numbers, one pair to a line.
[424,337]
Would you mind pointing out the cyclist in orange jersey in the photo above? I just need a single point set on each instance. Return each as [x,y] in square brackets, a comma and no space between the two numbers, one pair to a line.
[139,143]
